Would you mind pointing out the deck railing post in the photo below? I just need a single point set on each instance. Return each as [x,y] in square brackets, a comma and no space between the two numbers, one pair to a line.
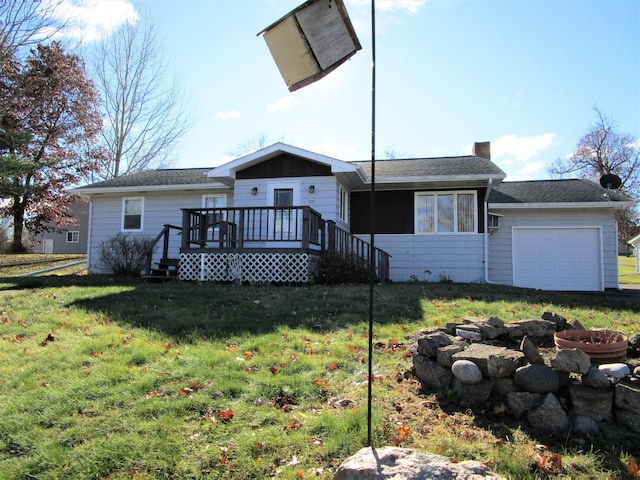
[305,227]
[241,228]
[186,231]
[165,245]
[323,235]
[331,226]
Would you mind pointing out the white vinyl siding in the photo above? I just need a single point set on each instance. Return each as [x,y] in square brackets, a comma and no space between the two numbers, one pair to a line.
[446,212]
[159,210]
[458,258]
[501,243]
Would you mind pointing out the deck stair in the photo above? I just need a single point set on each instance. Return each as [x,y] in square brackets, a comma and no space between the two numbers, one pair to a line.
[166,269]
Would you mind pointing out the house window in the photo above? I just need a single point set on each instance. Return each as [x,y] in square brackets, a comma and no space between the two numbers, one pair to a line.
[73,237]
[132,209]
[343,204]
[446,212]
[494,221]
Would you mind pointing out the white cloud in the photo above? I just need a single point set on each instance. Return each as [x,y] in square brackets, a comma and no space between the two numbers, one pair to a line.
[522,148]
[90,20]
[284,103]
[410,6]
[226,115]
[531,168]
[337,150]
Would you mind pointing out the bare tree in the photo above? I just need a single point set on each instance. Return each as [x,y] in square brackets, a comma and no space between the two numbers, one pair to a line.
[603,150]
[393,153]
[252,144]
[25,23]
[145,114]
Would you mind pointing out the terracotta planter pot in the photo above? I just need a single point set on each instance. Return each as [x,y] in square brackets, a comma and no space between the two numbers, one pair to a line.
[598,344]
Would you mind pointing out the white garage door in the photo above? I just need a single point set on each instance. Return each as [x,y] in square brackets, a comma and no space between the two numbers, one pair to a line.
[557,258]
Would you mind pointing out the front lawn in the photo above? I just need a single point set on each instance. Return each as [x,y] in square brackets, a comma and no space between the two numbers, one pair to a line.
[627,270]
[104,378]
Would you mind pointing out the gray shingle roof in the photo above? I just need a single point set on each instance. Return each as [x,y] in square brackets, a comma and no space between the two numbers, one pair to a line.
[552,191]
[171,176]
[431,167]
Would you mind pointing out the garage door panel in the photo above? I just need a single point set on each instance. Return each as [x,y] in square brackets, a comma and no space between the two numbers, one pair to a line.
[557,258]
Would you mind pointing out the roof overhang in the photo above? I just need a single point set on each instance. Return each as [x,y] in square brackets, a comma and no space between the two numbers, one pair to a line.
[635,241]
[227,173]
[437,182]
[88,192]
[562,205]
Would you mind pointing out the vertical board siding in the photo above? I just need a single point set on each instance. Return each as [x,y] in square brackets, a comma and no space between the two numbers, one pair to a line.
[501,245]
[433,258]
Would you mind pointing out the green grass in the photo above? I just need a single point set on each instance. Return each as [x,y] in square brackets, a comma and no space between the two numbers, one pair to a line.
[627,270]
[140,380]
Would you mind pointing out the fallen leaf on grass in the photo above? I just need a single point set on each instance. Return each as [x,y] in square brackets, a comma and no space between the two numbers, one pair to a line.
[549,464]
[185,391]
[225,415]
[632,467]
[402,436]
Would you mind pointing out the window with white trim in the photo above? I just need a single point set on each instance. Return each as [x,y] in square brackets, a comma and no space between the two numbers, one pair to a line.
[215,200]
[132,212]
[73,236]
[446,212]
[343,204]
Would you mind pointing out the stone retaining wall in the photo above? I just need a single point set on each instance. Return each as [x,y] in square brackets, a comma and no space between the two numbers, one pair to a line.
[514,368]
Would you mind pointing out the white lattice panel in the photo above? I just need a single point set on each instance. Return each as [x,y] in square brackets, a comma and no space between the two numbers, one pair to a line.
[250,267]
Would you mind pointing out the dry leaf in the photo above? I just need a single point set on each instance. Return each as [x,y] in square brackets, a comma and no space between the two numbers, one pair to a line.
[549,464]
[225,415]
[632,467]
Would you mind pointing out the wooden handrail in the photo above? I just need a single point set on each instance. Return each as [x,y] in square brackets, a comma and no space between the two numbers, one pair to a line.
[164,233]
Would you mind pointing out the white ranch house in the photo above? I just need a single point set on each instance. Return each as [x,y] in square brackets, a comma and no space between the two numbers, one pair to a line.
[269,215]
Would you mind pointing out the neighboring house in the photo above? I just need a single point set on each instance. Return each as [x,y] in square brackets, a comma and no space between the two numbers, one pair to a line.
[68,238]
[634,243]
[267,216]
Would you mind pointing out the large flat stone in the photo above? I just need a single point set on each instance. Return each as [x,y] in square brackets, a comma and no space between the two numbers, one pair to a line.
[494,362]
[521,402]
[574,360]
[628,396]
[537,379]
[428,344]
[531,328]
[408,464]
[591,402]
[433,376]
[472,394]
[550,417]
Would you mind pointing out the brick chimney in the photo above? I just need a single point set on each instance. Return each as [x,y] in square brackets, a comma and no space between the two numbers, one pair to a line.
[482,149]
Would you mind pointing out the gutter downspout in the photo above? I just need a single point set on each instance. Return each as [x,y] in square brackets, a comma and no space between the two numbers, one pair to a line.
[486,232]
[89,230]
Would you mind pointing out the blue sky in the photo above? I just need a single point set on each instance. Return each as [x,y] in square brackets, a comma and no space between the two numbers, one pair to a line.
[524,75]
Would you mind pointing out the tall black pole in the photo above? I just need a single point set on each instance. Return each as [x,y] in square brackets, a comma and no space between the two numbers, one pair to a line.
[372,218]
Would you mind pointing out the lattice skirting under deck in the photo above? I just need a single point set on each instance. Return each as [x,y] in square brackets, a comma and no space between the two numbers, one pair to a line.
[249,267]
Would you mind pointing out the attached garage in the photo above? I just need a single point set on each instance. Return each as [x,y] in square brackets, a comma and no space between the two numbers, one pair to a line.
[558,258]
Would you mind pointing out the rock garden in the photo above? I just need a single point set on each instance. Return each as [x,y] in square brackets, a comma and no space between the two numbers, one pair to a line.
[551,374]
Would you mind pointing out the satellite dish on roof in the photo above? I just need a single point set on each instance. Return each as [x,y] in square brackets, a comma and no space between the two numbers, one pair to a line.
[610,181]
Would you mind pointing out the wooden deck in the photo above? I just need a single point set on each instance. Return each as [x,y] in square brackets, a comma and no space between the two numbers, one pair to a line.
[262,244]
